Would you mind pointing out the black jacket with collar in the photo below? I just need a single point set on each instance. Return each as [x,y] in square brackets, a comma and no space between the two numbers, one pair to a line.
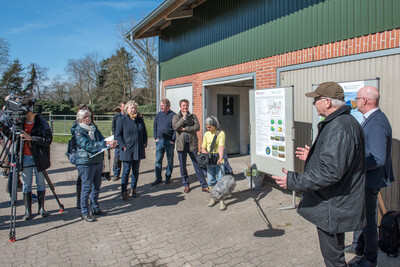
[333,180]
[41,139]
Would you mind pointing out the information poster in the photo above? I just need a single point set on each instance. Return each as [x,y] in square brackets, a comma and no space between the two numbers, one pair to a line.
[270,123]
[350,93]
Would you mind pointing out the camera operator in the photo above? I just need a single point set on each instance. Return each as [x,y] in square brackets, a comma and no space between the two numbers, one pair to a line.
[36,157]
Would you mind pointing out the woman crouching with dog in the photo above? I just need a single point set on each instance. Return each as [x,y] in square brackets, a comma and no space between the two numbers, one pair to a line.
[214,137]
[89,141]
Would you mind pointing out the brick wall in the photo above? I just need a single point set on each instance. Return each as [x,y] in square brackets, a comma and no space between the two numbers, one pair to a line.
[265,68]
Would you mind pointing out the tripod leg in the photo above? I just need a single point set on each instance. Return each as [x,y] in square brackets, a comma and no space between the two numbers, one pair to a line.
[51,186]
[13,201]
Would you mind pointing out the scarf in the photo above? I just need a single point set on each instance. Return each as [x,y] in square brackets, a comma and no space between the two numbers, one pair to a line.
[133,117]
[89,128]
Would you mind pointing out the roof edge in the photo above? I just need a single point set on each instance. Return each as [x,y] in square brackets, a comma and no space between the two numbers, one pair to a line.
[147,19]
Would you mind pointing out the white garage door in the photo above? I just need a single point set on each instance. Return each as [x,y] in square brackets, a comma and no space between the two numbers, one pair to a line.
[176,93]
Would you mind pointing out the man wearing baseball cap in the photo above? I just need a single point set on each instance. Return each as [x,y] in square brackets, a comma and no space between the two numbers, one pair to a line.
[333,180]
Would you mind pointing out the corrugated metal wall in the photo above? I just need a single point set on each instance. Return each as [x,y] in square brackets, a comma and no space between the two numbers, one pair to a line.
[228,32]
[386,68]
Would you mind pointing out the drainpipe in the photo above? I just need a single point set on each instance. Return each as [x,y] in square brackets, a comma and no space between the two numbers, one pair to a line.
[133,44]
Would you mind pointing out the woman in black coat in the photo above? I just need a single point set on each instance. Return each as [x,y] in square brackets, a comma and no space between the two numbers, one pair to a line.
[131,136]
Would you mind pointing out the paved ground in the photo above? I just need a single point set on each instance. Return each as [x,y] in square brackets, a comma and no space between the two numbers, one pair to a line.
[163,226]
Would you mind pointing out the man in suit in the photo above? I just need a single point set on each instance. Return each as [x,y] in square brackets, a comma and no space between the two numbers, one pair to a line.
[378,161]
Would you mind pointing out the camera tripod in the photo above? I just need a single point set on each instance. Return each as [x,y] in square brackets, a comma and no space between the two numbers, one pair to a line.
[15,144]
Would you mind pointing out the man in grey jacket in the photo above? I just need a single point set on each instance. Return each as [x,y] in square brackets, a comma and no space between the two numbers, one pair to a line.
[333,180]
[186,126]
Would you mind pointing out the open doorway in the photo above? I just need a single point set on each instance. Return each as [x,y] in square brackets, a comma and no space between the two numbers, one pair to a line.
[229,102]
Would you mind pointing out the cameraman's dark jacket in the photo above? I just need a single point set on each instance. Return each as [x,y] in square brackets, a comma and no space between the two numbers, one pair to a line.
[41,139]
[191,125]
[333,180]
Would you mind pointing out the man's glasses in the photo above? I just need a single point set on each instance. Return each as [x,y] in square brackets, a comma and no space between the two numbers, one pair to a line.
[318,98]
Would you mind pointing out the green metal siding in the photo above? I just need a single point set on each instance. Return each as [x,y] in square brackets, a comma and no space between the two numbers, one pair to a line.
[326,22]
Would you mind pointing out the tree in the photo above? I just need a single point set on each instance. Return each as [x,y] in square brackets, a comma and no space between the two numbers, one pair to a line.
[12,80]
[59,90]
[147,75]
[83,73]
[115,80]
[36,86]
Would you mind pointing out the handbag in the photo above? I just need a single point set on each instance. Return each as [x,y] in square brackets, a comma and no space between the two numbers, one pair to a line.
[204,159]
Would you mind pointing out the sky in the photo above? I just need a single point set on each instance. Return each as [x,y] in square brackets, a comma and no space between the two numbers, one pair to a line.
[51,32]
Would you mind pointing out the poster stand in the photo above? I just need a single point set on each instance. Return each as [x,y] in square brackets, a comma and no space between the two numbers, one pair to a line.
[293,203]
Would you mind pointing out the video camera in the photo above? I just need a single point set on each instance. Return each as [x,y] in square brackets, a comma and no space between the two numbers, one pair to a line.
[14,112]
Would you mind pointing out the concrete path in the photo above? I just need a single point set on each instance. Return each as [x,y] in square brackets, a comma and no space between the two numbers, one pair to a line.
[163,226]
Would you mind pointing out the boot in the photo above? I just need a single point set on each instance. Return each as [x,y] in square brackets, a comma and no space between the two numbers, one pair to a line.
[212,201]
[222,205]
[41,210]
[28,206]
[78,196]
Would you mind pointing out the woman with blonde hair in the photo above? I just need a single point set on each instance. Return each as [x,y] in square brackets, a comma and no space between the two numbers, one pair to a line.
[131,136]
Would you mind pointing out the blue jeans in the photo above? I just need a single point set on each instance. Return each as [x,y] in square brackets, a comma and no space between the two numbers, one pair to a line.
[214,173]
[367,243]
[27,175]
[126,168]
[117,163]
[164,146]
[91,182]
[182,155]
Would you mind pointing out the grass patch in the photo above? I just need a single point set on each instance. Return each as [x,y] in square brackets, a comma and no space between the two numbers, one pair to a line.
[63,127]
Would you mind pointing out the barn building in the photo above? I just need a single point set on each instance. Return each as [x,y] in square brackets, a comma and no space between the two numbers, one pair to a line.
[212,52]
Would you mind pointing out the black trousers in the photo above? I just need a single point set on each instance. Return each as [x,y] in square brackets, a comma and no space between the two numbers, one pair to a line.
[332,248]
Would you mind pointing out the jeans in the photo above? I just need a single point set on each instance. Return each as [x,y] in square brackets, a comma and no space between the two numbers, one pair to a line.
[214,173]
[117,163]
[91,182]
[182,155]
[126,168]
[164,146]
[27,175]
[367,243]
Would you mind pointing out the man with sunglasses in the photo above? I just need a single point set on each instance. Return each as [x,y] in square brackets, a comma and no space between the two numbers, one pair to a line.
[334,175]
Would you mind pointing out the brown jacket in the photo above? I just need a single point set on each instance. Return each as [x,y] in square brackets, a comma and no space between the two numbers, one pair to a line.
[191,125]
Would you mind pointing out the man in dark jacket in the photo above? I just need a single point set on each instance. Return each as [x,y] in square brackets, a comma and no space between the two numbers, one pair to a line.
[36,157]
[164,136]
[333,180]
[117,162]
[378,150]
[186,126]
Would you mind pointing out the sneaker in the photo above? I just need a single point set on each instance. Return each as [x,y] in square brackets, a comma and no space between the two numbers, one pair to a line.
[115,178]
[222,205]
[99,212]
[88,217]
[4,174]
[167,181]
[211,203]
